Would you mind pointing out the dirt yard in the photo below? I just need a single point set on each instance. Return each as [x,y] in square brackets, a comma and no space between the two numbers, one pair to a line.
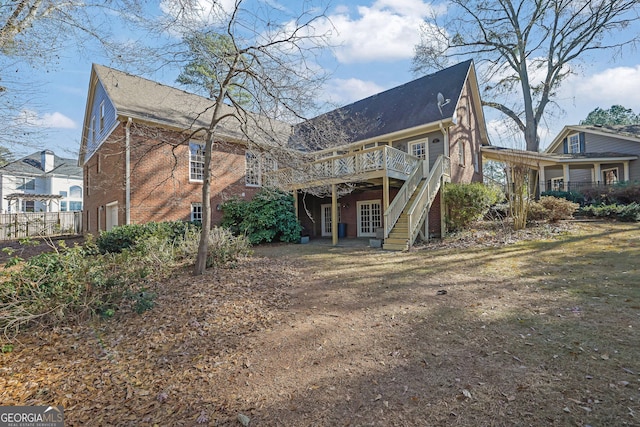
[471,333]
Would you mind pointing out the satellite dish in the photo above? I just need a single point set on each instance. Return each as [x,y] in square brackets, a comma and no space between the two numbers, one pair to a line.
[442,102]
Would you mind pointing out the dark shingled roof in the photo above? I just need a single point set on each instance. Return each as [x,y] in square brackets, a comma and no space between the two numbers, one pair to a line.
[403,107]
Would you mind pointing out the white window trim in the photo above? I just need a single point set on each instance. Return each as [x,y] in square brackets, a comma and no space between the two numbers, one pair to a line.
[191,179]
[570,145]
[555,183]
[261,161]
[101,116]
[604,174]
[194,205]
[359,218]
[425,146]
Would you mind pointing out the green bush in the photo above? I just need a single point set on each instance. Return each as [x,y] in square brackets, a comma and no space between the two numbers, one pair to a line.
[468,202]
[627,213]
[269,216]
[127,236]
[552,209]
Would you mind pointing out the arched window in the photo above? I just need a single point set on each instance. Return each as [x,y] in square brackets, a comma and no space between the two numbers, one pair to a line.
[75,191]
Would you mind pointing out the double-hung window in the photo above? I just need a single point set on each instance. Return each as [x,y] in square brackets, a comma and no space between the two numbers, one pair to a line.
[256,165]
[26,184]
[196,162]
[574,143]
[419,149]
[196,212]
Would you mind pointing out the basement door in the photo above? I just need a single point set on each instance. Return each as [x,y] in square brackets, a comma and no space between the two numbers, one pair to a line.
[111,215]
[369,217]
[325,219]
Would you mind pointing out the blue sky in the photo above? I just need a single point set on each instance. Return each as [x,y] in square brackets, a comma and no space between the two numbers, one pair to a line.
[376,40]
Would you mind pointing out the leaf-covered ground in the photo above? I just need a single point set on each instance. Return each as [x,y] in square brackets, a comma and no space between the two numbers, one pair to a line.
[539,332]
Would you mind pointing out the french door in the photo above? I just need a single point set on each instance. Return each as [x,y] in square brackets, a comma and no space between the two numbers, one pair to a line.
[369,217]
[326,220]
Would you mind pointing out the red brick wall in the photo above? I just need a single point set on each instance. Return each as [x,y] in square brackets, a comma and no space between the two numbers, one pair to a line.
[467,133]
[104,181]
[160,185]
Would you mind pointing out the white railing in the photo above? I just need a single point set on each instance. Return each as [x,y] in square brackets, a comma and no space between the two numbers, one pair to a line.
[399,202]
[348,166]
[33,224]
[420,206]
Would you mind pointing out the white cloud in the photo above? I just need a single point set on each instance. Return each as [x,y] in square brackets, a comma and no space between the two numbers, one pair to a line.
[388,30]
[618,85]
[47,120]
[345,91]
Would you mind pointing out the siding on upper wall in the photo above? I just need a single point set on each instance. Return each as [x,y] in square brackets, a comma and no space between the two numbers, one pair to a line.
[434,149]
[595,143]
[100,95]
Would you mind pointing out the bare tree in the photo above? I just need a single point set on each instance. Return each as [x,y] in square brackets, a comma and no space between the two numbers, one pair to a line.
[33,33]
[257,70]
[525,47]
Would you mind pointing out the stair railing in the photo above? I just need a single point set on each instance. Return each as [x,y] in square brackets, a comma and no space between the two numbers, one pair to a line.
[420,206]
[399,202]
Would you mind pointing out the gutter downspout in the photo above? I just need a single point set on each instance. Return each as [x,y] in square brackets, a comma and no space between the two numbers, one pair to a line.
[127,172]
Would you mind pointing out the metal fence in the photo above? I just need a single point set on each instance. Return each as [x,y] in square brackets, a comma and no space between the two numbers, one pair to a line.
[35,224]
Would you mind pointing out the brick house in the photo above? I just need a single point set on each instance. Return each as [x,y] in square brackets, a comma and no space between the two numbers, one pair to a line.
[143,162]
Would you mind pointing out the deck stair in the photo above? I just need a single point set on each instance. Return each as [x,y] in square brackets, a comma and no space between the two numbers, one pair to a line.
[400,234]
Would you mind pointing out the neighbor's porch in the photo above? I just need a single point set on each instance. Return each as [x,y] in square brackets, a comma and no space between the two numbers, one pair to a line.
[568,172]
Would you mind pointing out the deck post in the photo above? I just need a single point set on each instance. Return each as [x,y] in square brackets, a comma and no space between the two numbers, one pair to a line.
[334,215]
[385,193]
[443,212]
[295,204]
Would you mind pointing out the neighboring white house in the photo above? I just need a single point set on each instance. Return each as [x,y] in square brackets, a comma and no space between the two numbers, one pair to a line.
[41,182]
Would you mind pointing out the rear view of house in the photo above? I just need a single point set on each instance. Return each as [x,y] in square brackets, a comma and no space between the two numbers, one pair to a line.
[389,155]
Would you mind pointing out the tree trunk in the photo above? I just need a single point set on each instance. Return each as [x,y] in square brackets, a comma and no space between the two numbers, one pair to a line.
[203,246]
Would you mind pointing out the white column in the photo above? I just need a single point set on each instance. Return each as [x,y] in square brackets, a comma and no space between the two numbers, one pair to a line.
[334,215]
[543,180]
[626,170]
[597,173]
[565,176]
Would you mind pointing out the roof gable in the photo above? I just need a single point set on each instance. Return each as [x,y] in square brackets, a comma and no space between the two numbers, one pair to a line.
[148,101]
[626,132]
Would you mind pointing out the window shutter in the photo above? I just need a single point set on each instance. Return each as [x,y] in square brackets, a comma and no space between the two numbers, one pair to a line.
[565,147]
[582,149]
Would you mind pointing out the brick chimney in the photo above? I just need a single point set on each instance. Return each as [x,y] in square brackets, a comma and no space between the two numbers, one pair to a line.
[46,160]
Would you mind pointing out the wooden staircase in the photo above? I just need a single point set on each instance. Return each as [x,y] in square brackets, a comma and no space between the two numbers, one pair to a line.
[398,240]
[416,209]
